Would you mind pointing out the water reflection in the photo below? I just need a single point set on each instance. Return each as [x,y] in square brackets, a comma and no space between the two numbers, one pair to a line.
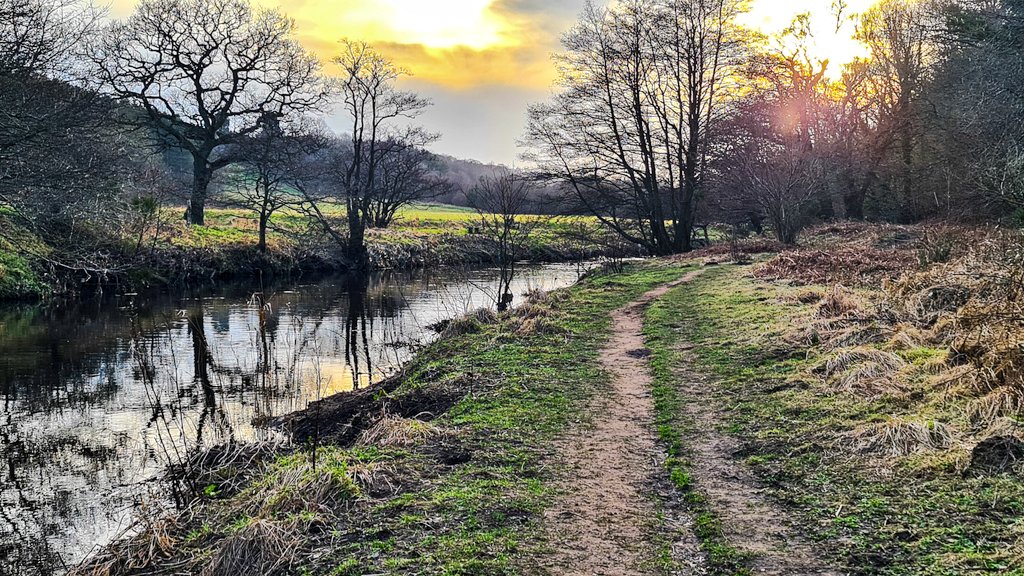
[98,398]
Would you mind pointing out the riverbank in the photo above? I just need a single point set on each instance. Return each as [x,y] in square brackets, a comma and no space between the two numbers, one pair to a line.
[443,469]
[172,253]
[789,425]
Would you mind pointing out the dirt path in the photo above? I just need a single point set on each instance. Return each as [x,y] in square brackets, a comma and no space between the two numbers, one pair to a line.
[750,522]
[606,521]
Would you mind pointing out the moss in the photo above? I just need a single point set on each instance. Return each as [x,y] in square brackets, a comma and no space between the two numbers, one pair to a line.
[17,279]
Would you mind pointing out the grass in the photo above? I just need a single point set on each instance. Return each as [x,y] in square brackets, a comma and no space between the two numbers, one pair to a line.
[673,427]
[425,219]
[167,250]
[899,512]
[408,498]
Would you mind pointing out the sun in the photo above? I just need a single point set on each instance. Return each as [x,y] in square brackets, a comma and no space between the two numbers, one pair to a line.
[444,24]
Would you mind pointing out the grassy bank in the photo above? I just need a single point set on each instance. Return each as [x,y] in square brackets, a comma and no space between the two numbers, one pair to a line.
[442,470]
[166,250]
[19,279]
[840,414]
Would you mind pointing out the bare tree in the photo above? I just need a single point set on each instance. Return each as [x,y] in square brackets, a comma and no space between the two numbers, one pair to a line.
[502,202]
[407,174]
[374,106]
[782,134]
[898,34]
[783,180]
[273,164]
[206,73]
[643,87]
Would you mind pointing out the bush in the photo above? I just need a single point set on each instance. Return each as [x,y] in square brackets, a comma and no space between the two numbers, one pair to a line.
[17,279]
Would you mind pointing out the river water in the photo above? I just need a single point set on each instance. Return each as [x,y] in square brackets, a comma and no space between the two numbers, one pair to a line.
[97,398]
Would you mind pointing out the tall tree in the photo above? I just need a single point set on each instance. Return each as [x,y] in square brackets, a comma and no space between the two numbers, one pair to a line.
[975,110]
[898,35]
[643,86]
[374,106]
[789,151]
[206,73]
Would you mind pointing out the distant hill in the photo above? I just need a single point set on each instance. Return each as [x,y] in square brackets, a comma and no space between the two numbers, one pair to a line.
[464,174]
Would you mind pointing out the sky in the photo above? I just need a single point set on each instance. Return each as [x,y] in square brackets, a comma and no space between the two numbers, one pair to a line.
[483,62]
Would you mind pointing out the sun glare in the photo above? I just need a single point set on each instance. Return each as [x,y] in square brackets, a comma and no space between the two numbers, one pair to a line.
[445,24]
[833,33]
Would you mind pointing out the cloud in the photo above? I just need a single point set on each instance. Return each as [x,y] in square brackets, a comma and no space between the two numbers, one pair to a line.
[495,42]
[482,62]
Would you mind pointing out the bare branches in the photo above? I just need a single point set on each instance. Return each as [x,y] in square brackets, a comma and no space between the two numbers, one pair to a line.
[371,171]
[207,73]
[643,86]
[502,202]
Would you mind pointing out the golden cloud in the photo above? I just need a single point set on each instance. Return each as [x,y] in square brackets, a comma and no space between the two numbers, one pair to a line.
[457,44]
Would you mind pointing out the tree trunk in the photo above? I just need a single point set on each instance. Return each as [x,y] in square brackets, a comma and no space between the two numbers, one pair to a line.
[262,245]
[838,186]
[356,248]
[201,176]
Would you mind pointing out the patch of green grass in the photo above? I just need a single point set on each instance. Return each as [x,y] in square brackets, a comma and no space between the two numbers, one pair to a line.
[673,426]
[896,518]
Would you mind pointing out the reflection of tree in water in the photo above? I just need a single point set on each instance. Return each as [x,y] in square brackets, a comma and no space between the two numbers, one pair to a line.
[24,546]
[35,509]
[173,376]
[356,330]
[203,362]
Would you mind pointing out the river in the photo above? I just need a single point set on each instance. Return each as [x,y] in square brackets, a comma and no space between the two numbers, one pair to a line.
[98,397]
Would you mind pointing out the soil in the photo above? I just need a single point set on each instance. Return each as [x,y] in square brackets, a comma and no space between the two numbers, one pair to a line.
[608,519]
[605,521]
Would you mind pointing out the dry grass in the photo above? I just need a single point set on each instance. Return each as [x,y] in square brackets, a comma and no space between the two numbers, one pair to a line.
[262,546]
[531,310]
[902,437]
[739,249]
[538,296]
[869,380]
[377,478]
[848,266]
[809,297]
[966,296]
[321,486]
[844,360]
[839,302]
[855,335]
[393,431]
[1005,427]
[864,371]
[538,325]
[997,404]
[905,338]
[471,323]
[154,539]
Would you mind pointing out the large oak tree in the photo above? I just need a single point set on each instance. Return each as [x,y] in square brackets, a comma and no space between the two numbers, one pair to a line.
[206,73]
